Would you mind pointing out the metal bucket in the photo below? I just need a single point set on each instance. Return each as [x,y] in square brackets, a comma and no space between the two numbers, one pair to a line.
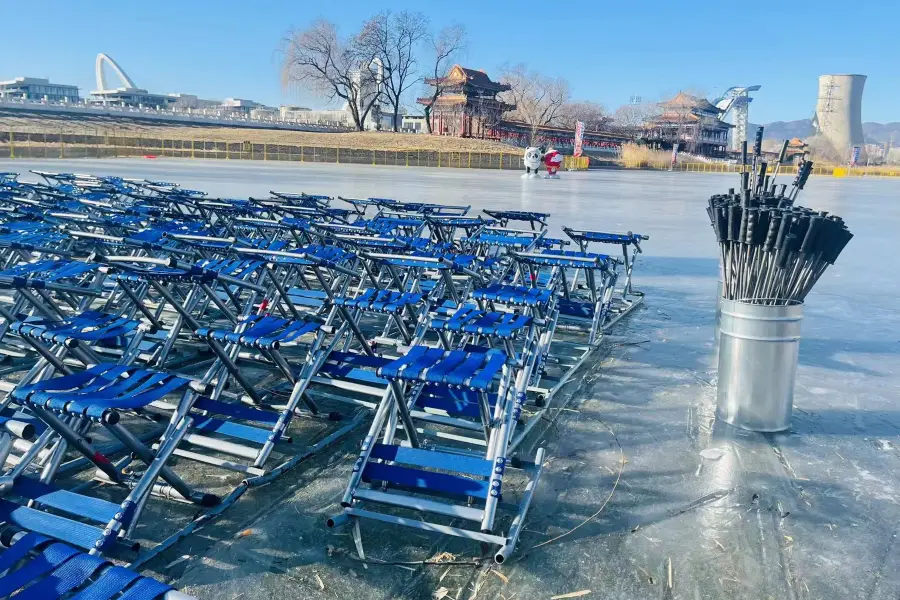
[758,350]
[720,291]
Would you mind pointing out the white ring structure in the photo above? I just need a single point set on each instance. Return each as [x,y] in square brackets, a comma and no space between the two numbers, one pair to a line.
[101,76]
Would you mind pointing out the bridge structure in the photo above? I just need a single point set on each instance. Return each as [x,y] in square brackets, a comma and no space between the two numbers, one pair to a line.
[735,103]
[100,74]
[563,139]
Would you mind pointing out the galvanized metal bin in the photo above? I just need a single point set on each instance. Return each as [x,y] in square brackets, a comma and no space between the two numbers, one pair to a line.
[720,289]
[758,350]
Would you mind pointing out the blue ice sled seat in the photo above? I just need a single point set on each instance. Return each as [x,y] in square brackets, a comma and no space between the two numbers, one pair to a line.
[472,320]
[407,467]
[385,301]
[457,368]
[514,294]
[88,326]
[101,390]
[262,331]
[97,395]
[603,237]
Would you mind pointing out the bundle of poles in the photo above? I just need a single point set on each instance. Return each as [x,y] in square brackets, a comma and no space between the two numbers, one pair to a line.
[772,251]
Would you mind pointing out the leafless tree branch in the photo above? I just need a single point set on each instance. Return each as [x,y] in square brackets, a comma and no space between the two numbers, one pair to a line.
[445,47]
[333,67]
[396,39]
[538,98]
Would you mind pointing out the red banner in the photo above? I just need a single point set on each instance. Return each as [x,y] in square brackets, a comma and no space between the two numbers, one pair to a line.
[579,138]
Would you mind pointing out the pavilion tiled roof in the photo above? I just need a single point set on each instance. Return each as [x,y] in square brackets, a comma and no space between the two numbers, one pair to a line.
[460,75]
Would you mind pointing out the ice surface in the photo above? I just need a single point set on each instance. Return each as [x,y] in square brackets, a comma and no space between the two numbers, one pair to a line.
[809,514]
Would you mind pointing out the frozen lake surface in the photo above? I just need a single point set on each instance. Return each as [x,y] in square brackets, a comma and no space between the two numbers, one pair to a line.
[813,513]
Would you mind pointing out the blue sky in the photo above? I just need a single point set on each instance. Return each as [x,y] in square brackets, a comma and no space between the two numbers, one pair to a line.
[607,50]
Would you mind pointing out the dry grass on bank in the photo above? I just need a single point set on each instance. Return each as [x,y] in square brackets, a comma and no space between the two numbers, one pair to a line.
[368,140]
[635,156]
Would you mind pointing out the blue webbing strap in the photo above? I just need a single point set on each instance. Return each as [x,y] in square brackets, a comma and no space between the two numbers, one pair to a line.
[443,368]
[71,382]
[393,369]
[112,581]
[495,361]
[145,589]
[416,368]
[17,552]
[72,574]
[51,557]
[465,371]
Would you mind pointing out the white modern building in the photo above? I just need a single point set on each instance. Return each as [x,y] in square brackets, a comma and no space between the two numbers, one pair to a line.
[240,106]
[265,113]
[413,123]
[299,114]
[38,90]
[126,96]
[190,101]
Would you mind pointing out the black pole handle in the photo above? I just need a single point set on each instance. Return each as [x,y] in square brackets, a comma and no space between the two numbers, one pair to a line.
[783,153]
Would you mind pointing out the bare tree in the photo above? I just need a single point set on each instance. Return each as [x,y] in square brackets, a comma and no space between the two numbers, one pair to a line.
[486,116]
[397,38]
[629,116]
[335,67]
[592,114]
[632,117]
[446,45]
[538,98]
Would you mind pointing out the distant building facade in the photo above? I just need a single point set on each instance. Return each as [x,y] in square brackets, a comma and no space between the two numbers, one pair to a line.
[796,150]
[136,97]
[468,105]
[38,90]
[412,123]
[693,123]
[300,114]
[242,107]
[190,101]
[560,138]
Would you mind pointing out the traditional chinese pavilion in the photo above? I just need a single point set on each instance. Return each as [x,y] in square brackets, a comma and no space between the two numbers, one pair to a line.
[468,105]
[695,123]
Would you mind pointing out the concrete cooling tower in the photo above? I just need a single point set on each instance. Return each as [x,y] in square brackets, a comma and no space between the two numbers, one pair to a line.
[839,110]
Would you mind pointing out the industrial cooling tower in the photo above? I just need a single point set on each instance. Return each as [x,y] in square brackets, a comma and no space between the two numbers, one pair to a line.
[839,111]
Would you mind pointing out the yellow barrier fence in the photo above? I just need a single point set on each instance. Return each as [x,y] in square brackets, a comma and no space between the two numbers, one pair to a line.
[24,144]
[576,163]
[876,171]
[17,144]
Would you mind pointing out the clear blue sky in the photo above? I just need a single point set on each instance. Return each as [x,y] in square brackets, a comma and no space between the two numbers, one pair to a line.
[608,50]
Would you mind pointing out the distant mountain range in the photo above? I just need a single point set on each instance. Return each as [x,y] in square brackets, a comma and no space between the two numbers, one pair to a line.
[875,133]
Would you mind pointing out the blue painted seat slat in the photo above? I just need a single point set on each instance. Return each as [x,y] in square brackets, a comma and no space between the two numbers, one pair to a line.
[425,480]
[469,465]
[67,530]
[235,430]
[236,410]
[95,509]
[573,308]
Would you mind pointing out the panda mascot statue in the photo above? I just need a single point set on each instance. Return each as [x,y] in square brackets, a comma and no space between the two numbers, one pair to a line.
[553,161]
[532,160]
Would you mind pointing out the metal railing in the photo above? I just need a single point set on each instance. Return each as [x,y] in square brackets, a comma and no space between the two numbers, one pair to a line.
[207,116]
